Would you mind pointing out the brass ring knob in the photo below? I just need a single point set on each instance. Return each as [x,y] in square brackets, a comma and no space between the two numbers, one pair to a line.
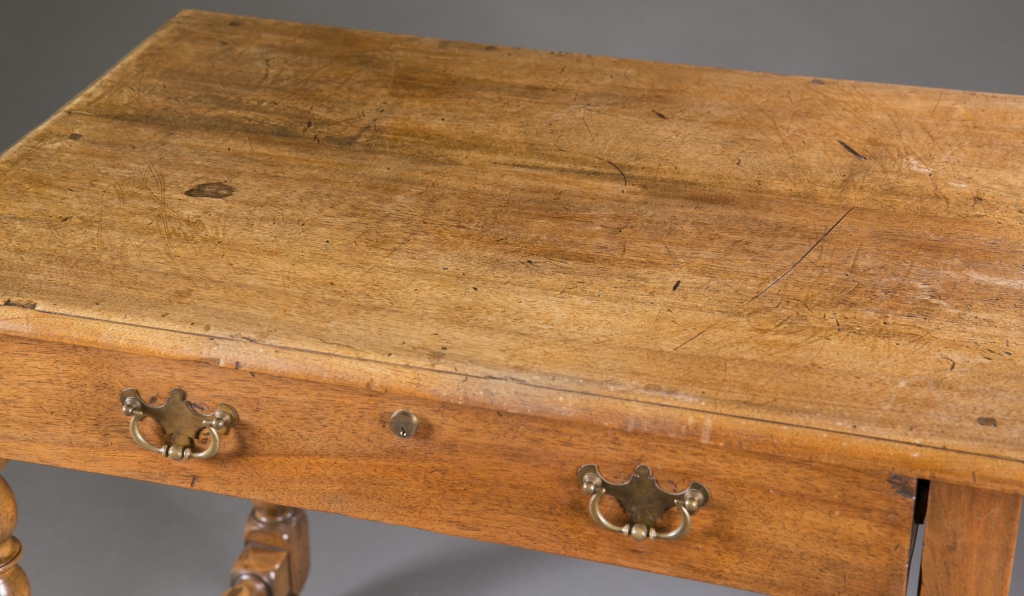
[181,423]
[641,496]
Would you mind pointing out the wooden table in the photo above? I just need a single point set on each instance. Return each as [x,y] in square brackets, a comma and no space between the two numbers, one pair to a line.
[430,281]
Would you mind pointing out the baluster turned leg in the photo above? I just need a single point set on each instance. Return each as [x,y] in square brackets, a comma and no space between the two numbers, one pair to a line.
[275,561]
[12,579]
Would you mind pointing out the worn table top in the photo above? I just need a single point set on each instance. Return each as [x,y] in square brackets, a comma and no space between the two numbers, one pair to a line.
[524,227]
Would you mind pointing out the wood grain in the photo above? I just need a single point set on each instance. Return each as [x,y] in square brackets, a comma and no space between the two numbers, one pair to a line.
[13,581]
[511,395]
[773,525]
[828,255]
[969,539]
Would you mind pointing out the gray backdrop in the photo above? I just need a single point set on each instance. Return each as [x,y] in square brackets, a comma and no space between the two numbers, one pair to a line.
[85,534]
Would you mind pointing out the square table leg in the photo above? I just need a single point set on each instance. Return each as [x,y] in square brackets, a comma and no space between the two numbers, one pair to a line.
[13,581]
[969,540]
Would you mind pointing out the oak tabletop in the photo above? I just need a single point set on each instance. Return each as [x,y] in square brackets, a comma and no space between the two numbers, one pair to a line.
[830,255]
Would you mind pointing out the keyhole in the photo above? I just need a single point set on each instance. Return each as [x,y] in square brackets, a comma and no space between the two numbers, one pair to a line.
[404,424]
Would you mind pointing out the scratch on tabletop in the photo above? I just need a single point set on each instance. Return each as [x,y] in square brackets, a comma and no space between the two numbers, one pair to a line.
[20,303]
[852,152]
[769,286]
[802,257]
[617,169]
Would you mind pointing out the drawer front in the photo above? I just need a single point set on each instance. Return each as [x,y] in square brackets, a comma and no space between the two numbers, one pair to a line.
[771,525]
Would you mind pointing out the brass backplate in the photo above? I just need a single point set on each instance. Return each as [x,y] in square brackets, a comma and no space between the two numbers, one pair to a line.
[180,421]
[640,496]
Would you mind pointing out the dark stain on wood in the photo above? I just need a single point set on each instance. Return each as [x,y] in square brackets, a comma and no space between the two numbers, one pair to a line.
[986,421]
[852,152]
[904,486]
[24,304]
[210,190]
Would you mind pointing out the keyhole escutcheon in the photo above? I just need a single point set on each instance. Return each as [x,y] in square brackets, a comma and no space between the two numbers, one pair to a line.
[404,424]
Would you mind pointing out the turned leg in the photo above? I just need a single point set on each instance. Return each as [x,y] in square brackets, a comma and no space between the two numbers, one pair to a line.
[275,561]
[969,538]
[12,579]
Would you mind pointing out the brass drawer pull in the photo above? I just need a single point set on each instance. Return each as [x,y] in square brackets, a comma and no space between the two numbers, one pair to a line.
[644,500]
[181,423]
